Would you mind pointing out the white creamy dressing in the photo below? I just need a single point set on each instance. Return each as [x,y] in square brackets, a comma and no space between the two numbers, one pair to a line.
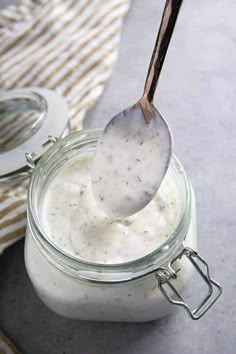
[74,222]
[130,162]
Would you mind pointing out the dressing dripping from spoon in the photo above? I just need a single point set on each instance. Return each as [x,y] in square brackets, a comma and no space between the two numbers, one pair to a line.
[134,151]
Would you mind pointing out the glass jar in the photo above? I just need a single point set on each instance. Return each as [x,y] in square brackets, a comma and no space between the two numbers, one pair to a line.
[138,290]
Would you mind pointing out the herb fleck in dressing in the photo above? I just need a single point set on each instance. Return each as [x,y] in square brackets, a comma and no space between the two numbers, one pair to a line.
[76,224]
[130,162]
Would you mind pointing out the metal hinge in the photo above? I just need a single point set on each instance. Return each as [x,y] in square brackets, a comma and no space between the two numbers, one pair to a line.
[165,275]
[30,158]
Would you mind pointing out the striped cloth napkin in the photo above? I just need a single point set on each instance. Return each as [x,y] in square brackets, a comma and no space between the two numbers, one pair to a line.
[66,45]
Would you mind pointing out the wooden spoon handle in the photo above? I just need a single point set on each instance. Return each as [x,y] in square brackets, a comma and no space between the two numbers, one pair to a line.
[166,29]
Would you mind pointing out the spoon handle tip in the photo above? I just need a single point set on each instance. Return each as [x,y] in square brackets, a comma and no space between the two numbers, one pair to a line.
[166,29]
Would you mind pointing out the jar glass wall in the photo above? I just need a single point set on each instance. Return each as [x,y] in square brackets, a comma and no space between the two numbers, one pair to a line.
[90,291]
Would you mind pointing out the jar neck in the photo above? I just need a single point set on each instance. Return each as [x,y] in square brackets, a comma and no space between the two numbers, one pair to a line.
[66,148]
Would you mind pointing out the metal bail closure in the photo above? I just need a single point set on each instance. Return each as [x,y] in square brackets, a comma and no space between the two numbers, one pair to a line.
[165,275]
[30,158]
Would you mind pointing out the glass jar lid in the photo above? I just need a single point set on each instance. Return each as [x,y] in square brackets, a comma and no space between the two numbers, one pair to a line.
[27,117]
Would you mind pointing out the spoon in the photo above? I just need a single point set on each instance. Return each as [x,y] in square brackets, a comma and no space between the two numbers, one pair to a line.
[134,151]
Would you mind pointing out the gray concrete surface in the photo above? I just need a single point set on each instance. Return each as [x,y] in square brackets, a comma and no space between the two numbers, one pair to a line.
[197,94]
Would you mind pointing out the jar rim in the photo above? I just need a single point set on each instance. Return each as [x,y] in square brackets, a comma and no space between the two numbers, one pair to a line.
[89,270]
